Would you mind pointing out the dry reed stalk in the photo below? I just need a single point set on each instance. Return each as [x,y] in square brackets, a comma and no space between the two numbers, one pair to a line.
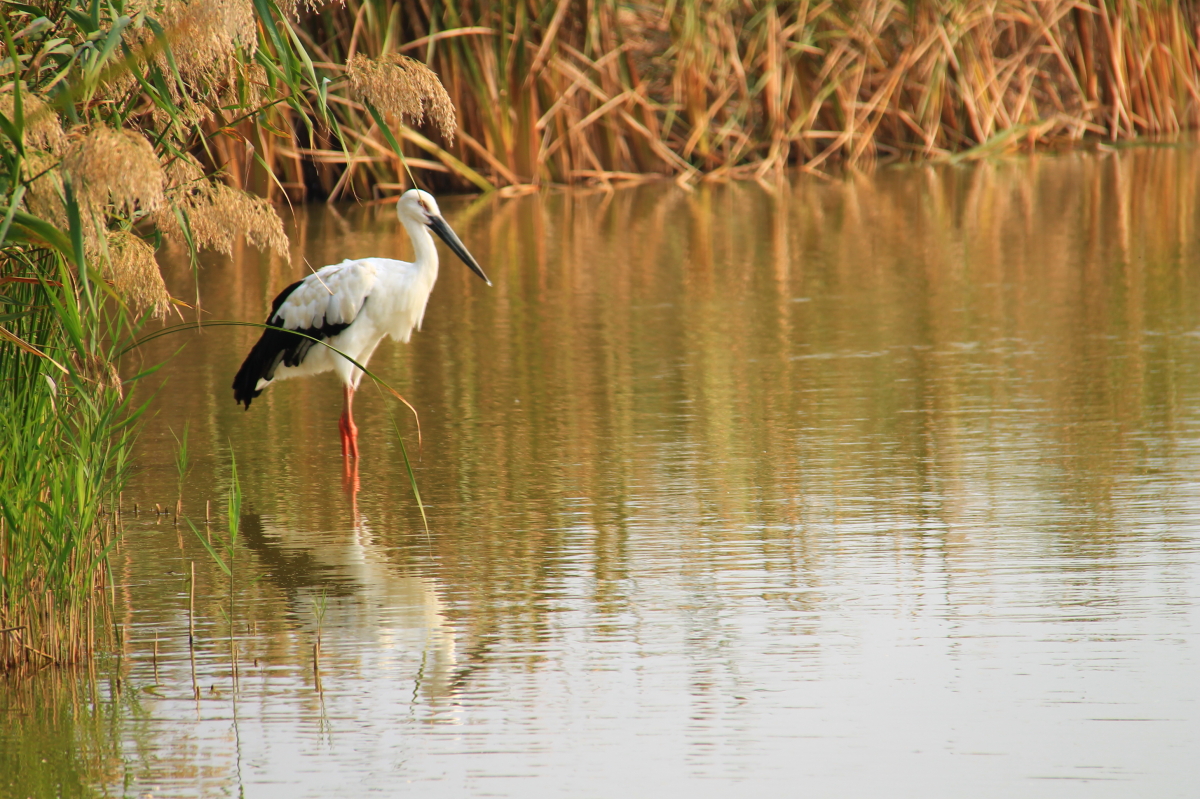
[33,635]
[546,93]
[192,626]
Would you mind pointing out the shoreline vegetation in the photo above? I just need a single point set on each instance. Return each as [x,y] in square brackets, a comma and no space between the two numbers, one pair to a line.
[549,93]
[127,123]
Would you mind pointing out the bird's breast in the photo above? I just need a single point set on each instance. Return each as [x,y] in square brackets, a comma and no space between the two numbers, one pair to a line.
[398,303]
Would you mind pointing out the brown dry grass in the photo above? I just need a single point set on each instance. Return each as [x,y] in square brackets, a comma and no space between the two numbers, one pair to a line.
[559,91]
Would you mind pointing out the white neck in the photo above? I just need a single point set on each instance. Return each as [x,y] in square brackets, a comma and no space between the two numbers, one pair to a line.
[425,255]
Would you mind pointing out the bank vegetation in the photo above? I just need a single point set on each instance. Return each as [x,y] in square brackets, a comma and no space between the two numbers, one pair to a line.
[566,91]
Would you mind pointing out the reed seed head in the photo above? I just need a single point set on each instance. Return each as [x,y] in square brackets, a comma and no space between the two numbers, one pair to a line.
[134,273]
[42,128]
[402,88]
[293,8]
[232,212]
[210,43]
[116,167]
[205,35]
[44,193]
[181,172]
[96,368]
[216,214]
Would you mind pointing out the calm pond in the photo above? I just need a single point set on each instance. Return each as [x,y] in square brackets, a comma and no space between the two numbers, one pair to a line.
[884,486]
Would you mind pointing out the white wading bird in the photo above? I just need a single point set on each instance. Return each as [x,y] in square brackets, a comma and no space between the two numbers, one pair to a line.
[351,306]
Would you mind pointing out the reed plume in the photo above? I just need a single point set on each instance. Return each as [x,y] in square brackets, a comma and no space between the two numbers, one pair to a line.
[204,51]
[403,89]
[134,273]
[44,188]
[216,214]
[116,168]
[42,129]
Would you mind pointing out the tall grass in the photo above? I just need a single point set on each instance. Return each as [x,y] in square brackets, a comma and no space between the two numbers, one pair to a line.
[64,435]
[566,91]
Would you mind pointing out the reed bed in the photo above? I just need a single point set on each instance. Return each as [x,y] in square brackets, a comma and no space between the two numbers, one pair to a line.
[563,91]
[64,435]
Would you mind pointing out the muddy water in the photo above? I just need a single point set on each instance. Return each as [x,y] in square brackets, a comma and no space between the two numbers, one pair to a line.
[876,487]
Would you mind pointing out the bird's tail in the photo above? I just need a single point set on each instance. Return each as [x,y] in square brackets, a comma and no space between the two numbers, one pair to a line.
[265,356]
[273,348]
[245,382]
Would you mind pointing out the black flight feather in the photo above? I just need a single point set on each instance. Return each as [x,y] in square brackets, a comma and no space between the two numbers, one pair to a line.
[277,347]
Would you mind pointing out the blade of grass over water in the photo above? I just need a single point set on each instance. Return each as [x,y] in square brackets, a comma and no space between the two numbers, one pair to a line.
[172,329]
[412,478]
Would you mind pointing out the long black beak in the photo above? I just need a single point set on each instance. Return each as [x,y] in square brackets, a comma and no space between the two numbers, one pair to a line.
[439,226]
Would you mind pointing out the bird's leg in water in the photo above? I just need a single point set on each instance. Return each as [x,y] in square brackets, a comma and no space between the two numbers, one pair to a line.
[347,427]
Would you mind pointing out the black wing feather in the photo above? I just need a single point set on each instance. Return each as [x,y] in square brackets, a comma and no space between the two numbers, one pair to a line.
[275,347]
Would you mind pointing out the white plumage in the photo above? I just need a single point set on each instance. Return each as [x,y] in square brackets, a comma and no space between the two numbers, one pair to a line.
[351,307]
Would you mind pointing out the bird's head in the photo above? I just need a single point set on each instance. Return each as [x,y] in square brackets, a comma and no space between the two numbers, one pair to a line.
[420,207]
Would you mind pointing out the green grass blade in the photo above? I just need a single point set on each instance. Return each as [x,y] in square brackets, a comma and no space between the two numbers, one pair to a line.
[216,556]
[412,477]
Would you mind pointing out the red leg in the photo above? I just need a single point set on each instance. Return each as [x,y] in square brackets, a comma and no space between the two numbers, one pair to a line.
[346,425]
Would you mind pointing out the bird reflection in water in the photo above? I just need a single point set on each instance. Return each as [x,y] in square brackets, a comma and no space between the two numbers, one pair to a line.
[372,608]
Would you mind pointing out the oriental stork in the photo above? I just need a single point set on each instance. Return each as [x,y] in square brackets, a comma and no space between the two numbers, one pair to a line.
[351,306]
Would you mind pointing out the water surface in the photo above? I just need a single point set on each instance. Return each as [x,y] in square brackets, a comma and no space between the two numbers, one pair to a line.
[884,486]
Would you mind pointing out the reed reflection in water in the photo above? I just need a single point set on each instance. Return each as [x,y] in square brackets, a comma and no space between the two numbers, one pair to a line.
[881,486]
